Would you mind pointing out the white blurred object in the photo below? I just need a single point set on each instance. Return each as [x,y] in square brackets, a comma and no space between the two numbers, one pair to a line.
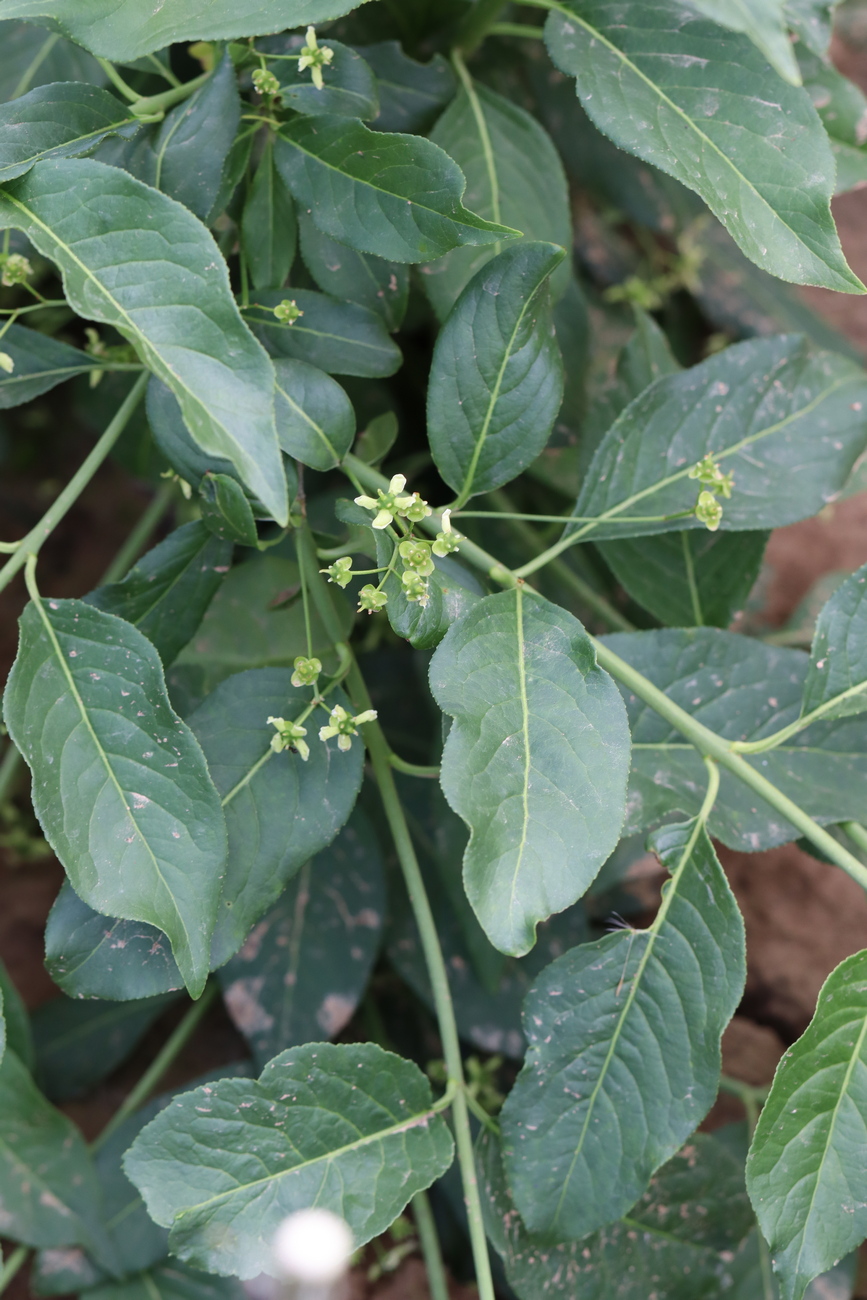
[312,1250]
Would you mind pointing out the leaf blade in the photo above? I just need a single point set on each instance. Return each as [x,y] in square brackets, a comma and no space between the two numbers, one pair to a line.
[837,677]
[57,121]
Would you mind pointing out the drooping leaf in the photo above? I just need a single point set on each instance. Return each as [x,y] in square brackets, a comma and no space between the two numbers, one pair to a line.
[339,337]
[57,121]
[169,1281]
[743,690]
[396,196]
[177,308]
[268,226]
[771,411]
[349,1128]
[514,175]
[226,511]
[193,142]
[305,966]
[837,677]
[16,1024]
[654,77]
[624,1049]
[165,594]
[535,762]
[349,88]
[689,579]
[764,21]
[651,1251]
[49,1194]
[381,286]
[452,591]
[120,784]
[496,380]
[315,419]
[126,31]
[80,1042]
[39,363]
[410,93]
[89,955]
[805,1168]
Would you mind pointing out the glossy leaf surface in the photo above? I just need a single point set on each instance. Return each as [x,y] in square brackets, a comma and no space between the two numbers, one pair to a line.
[193,142]
[349,1128]
[268,226]
[655,78]
[86,705]
[496,379]
[535,762]
[57,121]
[176,307]
[624,1049]
[395,196]
[315,419]
[805,1169]
[339,337]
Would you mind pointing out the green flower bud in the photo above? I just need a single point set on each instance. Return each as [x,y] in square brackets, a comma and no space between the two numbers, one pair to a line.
[416,510]
[265,82]
[417,556]
[340,571]
[16,270]
[306,671]
[371,600]
[708,510]
[415,587]
[708,472]
[289,735]
[287,311]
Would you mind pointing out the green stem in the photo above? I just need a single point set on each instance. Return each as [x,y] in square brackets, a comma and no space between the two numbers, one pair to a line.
[12,1265]
[430,1247]
[516,29]
[117,80]
[153,104]
[158,1066]
[747,1093]
[378,750]
[856,832]
[35,64]
[400,765]
[9,769]
[574,538]
[477,23]
[31,544]
[806,720]
[140,534]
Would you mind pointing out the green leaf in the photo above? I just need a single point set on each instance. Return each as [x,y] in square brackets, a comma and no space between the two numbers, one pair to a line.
[89,955]
[653,1251]
[339,337]
[80,1042]
[811,20]
[535,762]
[279,810]
[268,226]
[169,1281]
[305,966]
[33,57]
[624,1055]
[16,1023]
[514,175]
[410,93]
[49,1194]
[349,88]
[688,579]
[175,307]
[165,594]
[120,784]
[837,677]
[315,419]
[125,31]
[39,364]
[703,105]
[193,142]
[805,1168]
[57,121]
[452,591]
[764,21]
[377,438]
[226,511]
[752,1278]
[843,110]
[382,287]
[743,690]
[788,422]
[496,380]
[350,1129]
[396,196]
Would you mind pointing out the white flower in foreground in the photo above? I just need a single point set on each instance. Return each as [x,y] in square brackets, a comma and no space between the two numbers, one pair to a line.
[312,1246]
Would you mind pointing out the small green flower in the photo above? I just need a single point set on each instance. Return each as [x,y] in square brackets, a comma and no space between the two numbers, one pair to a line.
[289,735]
[344,726]
[448,540]
[6,363]
[340,571]
[415,587]
[371,600]
[417,510]
[16,270]
[417,556]
[265,82]
[708,510]
[287,311]
[708,472]
[306,671]
[315,57]
[388,504]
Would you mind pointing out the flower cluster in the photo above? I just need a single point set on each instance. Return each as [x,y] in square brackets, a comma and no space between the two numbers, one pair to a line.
[16,269]
[714,483]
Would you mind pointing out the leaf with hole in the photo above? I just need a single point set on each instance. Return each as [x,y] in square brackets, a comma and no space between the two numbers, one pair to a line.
[535,762]
[624,1049]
